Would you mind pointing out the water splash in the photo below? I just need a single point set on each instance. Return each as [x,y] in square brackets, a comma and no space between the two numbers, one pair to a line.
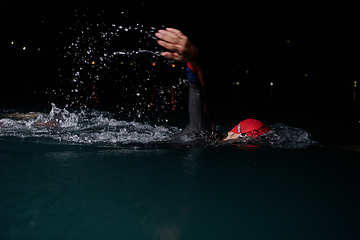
[97,128]
[280,136]
[289,137]
[101,128]
[103,59]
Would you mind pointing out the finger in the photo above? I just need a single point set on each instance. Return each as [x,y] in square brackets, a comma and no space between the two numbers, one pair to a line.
[175,31]
[168,36]
[176,57]
[172,56]
[165,54]
[169,46]
[159,35]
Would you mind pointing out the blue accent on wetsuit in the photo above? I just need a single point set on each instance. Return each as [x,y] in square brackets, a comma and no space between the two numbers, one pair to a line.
[192,78]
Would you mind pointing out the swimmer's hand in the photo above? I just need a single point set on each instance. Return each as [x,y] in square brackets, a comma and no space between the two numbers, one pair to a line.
[182,49]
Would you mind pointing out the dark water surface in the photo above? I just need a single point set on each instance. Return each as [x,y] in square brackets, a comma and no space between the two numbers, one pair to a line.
[51,191]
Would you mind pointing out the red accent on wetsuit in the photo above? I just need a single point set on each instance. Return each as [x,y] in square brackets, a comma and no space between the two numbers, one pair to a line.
[198,72]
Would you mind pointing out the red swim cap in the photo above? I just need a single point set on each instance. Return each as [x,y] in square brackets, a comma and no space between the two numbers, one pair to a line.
[251,128]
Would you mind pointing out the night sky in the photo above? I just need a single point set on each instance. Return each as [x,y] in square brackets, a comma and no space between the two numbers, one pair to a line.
[309,42]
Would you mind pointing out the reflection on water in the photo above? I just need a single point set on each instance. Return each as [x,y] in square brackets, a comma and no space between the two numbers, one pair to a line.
[183,199]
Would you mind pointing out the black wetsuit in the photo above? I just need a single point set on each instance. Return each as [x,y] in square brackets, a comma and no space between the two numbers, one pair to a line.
[201,120]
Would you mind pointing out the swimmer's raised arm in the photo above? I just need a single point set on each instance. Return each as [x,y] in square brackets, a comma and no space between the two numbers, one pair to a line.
[182,49]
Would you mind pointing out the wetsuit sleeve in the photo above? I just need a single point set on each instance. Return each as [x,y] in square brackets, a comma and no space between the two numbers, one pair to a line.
[200,117]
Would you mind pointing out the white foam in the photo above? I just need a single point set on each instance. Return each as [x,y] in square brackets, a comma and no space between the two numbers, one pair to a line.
[92,127]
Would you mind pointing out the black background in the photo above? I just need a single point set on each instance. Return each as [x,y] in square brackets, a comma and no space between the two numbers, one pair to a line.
[232,37]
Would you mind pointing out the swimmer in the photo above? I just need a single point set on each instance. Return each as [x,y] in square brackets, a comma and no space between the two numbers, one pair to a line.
[201,119]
